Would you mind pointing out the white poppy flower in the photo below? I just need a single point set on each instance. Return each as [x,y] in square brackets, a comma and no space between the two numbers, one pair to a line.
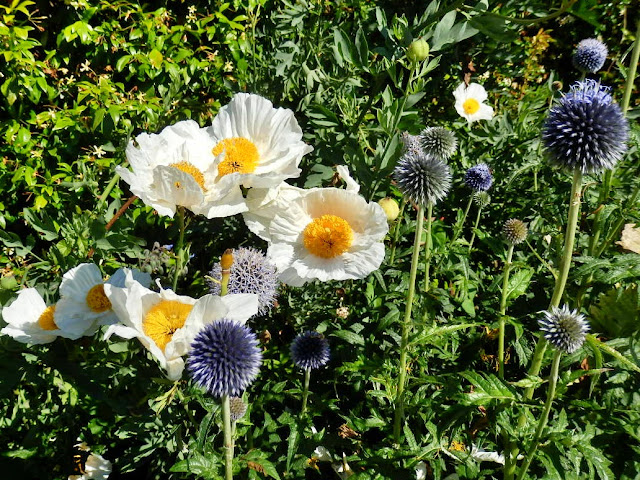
[83,305]
[256,145]
[177,168]
[95,468]
[166,323]
[469,102]
[327,234]
[265,203]
[29,319]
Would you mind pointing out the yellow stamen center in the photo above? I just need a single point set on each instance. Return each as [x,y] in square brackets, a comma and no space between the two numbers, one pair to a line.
[163,319]
[190,169]
[46,319]
[471,106]
[240,155]
[328,236]
[96,299]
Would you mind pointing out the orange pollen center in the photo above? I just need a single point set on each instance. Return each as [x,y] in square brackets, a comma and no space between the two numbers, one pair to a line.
[96,299]
[46,319]
[189,169]
[240,155]
[163,319]
[328,236]
[471,106]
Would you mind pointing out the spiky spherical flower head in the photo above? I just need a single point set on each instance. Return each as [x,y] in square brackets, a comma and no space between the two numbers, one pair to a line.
[481,199]
[410,143]
[565,329]
[310,350]
[479,178]
[224,358]
[422,178]
[439,142]
[514,231]
[586,130]
[251,272]
[237,408]
[590,55]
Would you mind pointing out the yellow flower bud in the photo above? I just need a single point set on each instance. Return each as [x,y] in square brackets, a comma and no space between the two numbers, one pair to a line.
[390,207]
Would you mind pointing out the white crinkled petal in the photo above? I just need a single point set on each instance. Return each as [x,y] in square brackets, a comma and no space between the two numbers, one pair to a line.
[477,91]
[352,185]
[75,319]
[77,282]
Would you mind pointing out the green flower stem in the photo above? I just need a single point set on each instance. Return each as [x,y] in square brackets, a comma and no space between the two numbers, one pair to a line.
[228,438]
[503,311]
[569,238]
[406,326]
[475,226]
[553,273]
[179,247]
[107,190]
[553,381]
[396,233]
[458,229]
[428,245]
[561,281]
[305,391]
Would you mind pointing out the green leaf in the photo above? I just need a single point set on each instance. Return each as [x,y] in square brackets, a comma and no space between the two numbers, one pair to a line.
[292,445]
[349,337]
[594,342]
[155,58]
[486,390]
[519,283]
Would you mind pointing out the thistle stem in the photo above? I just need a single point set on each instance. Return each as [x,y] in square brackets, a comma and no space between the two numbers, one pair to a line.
[428,245]
[458,229]
[475,226]
[406,326]
[305,391]
[396,233]
[503,310]
[179,247]
[561,281]
[553,381]
[228,438]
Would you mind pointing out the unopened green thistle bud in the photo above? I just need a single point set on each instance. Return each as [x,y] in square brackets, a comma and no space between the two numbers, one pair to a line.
[418,50]
[237,408]
[514,231]
[439,142]
[481,199]
[390,207]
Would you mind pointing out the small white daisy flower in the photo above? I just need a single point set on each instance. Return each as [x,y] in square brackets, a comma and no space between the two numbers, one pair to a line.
[469,102]
[255,144]
[29,319]
[327,234]
[83,305]
[176,168]
[166,323]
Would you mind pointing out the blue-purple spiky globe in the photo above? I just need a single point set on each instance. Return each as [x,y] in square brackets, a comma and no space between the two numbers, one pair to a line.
[563,328]
[224,358]
[251,272]
[310,350]
[590,55]
[479,178]
[422,178]
[586,130]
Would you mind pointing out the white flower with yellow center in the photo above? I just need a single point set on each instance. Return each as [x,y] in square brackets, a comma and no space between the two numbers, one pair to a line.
[29,319]
[83,305]
[469,102]
[255,144]
[265,203]
[176,168]
[94,467]
[327,234]
[166,323]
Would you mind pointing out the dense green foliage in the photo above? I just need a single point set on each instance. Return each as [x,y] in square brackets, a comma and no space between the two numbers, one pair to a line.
[82,77]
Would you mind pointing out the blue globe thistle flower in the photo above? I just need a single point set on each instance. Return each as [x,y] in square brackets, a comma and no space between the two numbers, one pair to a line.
[479,178]
[586,130]
[422,178]
[565,329]
[251,272]
[439,142]
[310,350]
[590,55]
[224,358]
